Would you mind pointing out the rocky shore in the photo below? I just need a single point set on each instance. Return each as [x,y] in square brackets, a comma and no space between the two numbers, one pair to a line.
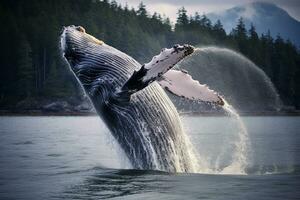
[83,107]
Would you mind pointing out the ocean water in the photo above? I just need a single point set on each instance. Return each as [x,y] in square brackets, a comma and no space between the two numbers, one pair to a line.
[76,158]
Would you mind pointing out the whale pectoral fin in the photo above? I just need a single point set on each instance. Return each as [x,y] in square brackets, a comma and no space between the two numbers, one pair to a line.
[154,70]
[182,84]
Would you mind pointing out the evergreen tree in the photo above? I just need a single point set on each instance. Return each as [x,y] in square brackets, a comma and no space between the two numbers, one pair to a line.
[219,30]
[239,33]
[25,69]
[182,19]
[252,33]
[142,10]
[205,22]
[197,18]
[253,46]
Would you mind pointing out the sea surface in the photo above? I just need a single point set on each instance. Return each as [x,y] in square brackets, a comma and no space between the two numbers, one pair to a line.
[76,158]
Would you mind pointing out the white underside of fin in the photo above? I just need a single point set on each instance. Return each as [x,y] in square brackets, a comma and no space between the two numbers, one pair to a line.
[182,84]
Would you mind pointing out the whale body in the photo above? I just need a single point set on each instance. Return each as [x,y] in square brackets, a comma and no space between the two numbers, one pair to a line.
[140,117]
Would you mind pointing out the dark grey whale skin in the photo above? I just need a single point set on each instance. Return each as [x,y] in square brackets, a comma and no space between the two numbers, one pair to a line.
[147,127]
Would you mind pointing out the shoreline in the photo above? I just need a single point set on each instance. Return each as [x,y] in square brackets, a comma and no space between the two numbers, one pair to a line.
[204,114]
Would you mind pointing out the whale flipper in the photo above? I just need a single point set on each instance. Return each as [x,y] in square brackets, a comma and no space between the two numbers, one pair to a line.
[177,82]
[182,84]
[154,70]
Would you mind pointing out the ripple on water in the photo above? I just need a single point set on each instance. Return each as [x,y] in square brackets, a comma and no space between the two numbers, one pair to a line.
[23,143]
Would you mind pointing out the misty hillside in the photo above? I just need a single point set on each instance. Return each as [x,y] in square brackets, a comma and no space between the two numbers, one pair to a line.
[264,16]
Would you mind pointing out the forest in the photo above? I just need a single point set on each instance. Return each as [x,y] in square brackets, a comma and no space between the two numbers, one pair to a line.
[32,68]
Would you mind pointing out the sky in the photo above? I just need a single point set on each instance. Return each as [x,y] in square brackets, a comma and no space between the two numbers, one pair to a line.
[170,7]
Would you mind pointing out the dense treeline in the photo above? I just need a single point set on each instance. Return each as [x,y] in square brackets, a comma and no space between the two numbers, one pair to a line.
[278,58]
[31,64]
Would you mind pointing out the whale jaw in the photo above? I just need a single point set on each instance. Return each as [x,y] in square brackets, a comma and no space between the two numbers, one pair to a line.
[75,43]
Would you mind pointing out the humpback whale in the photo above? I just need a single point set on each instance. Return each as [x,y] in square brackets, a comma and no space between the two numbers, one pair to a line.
[130,99]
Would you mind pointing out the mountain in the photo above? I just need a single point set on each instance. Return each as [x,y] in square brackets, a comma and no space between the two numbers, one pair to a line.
[264,16]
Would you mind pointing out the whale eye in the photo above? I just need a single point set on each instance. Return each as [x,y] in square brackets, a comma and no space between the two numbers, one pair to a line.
[80,29]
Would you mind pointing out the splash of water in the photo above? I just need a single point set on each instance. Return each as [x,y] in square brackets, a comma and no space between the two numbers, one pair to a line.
[213,62]
[234,156]
[238,79]
[242,145]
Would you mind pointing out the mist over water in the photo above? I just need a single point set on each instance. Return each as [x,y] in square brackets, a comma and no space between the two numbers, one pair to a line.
[239,80]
